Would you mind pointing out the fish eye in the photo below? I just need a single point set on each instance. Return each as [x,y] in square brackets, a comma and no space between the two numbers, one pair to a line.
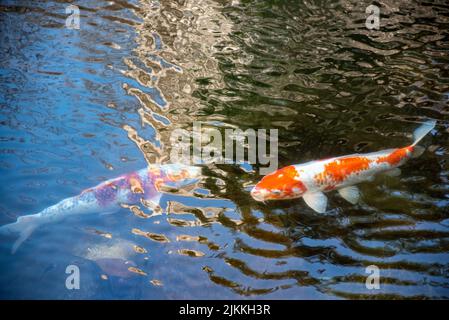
[276,192]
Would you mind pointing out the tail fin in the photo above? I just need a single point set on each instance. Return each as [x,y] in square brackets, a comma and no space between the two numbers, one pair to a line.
[24,226]
[422,131]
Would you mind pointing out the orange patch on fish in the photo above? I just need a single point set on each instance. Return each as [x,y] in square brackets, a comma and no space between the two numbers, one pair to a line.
[176,177]
[338,170]
[153,170]
[396,156]
[285,179]
[158,183]
[135,185]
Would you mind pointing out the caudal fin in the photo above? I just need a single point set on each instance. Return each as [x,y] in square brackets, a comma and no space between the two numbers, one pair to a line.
[24,226]
[422,131]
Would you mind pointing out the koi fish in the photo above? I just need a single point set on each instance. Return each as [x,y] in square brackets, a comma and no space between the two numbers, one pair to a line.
[107,197]
[312,179]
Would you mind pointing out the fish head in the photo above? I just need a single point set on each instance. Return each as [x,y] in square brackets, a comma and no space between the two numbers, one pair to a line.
[177,175]
[282,184]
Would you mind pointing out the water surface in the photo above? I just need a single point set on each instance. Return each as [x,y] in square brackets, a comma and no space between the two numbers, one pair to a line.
[82,106]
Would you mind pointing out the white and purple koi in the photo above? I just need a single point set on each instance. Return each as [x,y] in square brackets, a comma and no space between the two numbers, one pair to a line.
[108,196]
[310,180]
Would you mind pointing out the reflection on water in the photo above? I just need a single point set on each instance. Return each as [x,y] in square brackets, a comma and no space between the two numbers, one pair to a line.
[82,106]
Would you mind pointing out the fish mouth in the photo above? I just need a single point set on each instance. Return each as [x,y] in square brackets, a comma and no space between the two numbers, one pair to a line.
[258,194]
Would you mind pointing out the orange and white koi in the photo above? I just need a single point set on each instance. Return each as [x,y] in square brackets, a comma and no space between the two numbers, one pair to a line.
[312,179]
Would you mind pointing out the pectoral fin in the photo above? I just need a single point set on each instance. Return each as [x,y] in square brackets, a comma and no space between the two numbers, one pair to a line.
[316,200]
[350,194]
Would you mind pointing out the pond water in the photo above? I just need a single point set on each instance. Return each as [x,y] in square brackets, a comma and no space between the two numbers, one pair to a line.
[80,106]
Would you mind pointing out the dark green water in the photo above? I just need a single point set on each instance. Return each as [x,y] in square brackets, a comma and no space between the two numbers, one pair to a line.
[81,106]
